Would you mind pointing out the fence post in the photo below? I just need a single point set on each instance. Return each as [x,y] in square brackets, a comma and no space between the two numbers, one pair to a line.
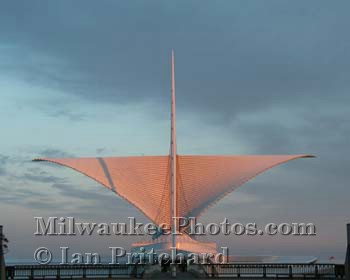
[347,260]
[264,271]
[290,271]
[31,273]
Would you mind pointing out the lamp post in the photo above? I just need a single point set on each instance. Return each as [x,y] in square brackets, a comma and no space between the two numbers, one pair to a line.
[347,259]
[2,258]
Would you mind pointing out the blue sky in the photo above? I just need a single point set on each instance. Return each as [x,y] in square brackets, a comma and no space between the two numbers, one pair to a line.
[86,78]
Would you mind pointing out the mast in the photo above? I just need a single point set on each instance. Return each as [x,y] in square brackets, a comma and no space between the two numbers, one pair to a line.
[173,155]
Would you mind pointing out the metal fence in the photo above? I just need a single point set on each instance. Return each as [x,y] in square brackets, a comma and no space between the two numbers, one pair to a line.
[315,271]
[74,271]
[104,271]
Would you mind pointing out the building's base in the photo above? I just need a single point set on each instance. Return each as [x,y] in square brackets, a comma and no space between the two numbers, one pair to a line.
[184,245]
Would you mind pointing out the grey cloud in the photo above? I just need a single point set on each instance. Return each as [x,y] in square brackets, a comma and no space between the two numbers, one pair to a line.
[48,204]
[100,150]
[73,191]
[62,111]
[20,166]
[36,174]
[231,59]
[72,116]
[3,161]
[53,153]
[18,184]
[283,56]
[2,171]
[19,195]
[40,178]
[22,196]
[99,196]
[96,203]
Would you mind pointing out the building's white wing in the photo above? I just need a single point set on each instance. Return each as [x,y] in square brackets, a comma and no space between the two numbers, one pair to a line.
[201,180]
[204,180]
[141,180]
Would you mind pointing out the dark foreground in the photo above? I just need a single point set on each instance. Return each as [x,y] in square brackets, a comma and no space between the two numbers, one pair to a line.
[229,270]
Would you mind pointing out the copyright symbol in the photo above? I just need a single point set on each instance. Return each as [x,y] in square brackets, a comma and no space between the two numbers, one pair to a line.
[42,255]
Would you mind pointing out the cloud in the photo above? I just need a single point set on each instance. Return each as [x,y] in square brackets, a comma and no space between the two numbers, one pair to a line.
[62,112]
[19,184]
[42,178]
[37,175]
[3,162]
[54,153]
[20,195]
[100,150]
[94,196]
[70,190]
[270,61]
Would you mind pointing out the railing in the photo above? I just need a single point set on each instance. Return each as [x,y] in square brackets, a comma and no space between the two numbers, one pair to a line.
[74,271]
[260,270]
[104,271]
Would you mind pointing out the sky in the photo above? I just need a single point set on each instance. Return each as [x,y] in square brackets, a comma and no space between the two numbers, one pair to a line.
[91,78]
